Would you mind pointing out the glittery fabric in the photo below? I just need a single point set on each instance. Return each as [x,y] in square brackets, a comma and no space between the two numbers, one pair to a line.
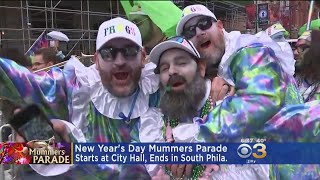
[262,89]
[296,123]
[54,92]
[266,104]
[48,90]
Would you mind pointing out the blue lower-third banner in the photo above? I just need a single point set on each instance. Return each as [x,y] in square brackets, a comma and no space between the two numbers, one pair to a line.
[196,153]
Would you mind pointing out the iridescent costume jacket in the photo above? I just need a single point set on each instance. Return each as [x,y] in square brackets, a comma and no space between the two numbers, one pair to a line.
[266,104]
[76,94]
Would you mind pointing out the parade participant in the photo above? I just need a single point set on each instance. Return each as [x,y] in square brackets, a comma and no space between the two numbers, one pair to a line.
[307,68]
[253,65]
[299,123]
[248,62]
[44,57]
[156,25]
[106,101]
[207,33]
[185,103]
[302,45]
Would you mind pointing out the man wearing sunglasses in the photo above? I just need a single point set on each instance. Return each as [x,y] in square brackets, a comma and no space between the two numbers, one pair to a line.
[306,71]
[105,101]
[249,63]
[302,46]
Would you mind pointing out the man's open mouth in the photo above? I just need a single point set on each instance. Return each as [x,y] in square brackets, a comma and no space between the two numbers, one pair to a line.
[121,75]
[176,84]
[205,44]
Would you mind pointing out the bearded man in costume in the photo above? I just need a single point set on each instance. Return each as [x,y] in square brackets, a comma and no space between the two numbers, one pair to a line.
[307,68]
[264,85]
[298,123]
[185,103]
[101,103]
[157,24]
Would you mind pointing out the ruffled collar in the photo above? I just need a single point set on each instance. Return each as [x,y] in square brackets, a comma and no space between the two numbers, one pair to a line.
[111,106]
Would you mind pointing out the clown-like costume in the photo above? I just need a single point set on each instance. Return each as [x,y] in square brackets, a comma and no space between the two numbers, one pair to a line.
[262,89]
[187,129]
[77,95]
[92,113]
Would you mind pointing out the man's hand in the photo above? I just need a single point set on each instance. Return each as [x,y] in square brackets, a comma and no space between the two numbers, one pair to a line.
[178,170]
[220,88]
[161,175]
[58,126]
[206,175]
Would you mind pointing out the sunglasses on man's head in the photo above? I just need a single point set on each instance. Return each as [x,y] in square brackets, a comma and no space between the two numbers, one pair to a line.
[203,24]
[180,39]
[110,53]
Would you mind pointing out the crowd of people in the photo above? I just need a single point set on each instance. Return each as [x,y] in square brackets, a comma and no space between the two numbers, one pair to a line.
[202,85]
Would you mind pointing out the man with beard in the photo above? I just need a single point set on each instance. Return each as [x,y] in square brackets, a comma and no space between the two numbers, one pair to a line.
[302,45]
[250,63]
[306,71]
[105,101]
[157,24]
[263,85]
[185,103]
[299,123]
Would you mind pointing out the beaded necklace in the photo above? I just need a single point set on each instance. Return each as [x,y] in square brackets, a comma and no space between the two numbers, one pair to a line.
[173,122]
[314,86]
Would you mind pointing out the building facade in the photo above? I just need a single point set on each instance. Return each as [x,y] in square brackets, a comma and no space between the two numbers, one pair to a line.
[21,22]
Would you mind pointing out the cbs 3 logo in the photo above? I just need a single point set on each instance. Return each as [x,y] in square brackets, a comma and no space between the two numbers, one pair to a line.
[245,150]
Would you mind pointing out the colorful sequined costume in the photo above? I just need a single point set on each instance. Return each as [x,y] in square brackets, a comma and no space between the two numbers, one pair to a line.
[266,104]
[77,95]
[299,119]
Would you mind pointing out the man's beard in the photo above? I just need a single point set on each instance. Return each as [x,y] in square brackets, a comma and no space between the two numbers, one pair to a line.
[185,103]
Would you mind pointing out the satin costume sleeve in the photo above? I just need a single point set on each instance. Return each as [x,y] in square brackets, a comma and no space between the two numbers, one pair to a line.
[260,93]
[46,89]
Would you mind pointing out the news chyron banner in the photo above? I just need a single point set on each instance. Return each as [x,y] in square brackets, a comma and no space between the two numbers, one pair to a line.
[247,152]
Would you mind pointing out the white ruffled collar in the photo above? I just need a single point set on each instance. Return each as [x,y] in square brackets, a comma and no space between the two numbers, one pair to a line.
[111,106]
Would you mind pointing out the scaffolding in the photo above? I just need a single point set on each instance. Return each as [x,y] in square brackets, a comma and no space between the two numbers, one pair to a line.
[23,21]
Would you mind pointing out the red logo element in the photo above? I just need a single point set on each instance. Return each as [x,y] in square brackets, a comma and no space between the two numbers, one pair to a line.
[130,30]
